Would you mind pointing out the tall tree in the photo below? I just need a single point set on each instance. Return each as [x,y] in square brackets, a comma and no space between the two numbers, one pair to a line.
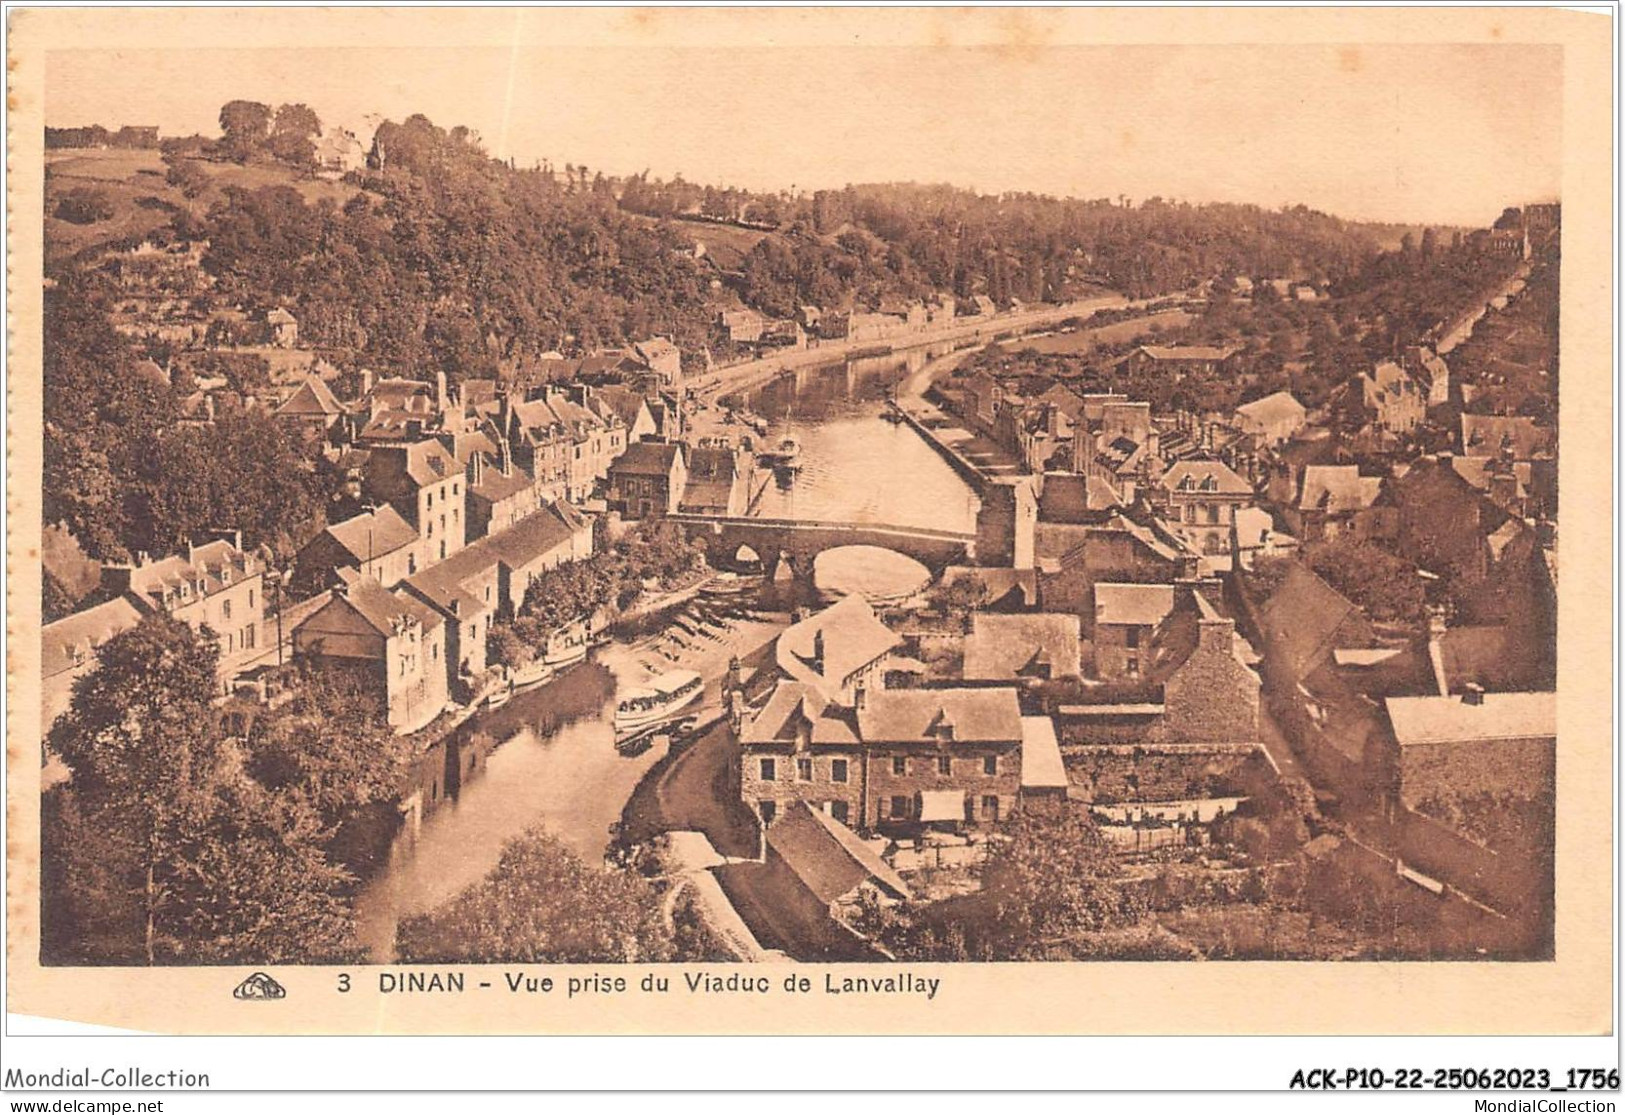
[294,134]
[165,848]
[244,127]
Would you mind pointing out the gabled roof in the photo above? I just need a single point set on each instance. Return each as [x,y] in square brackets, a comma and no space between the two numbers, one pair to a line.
[793,707]
[420,464]
[1205,476]
[1131,604]
[496,485]
[647,458]
[373,533]
[1301,620]
[1337,488]
[622,402]
[918,715]
[829,858]
[852,637]
[312,399]
[1490,434]
[1007,647]
[382,609]
[1070,497]
[1271,409]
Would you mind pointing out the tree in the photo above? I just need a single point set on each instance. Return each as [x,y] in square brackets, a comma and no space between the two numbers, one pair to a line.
[187,177]
[244,127]
[165,848]
[542,904]
[294,135]
[1054,877]
[1386,587]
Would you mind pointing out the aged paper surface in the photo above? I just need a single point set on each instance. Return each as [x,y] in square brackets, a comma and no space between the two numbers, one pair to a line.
[1544,76]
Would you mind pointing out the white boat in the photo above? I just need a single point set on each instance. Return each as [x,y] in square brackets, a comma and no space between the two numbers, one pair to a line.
[535,672]
[658,698]
[566,646]
[788,454]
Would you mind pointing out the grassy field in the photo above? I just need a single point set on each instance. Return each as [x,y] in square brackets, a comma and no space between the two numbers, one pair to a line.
[142,200]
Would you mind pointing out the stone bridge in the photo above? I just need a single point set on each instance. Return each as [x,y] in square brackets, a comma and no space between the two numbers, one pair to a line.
[803,541]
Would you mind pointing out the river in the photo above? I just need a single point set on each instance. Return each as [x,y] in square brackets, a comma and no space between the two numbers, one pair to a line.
[570,779]
[856,467]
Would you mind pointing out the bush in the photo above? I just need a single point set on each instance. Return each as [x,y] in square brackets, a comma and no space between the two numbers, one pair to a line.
[84,205]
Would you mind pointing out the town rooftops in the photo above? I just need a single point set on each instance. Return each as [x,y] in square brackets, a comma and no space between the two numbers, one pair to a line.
[829,646]
[421,463]
[956,715]
[383,610]
[1484,717]
[647,458]
[313,399]
[1041,765]
[1337,488]
[1271,409]
[1023,645]
[1493,434]
[496,485]
[1205,476]
[1132,605]
[1302,619]
[70,641]
[373,533]
[201,571]
[829,858]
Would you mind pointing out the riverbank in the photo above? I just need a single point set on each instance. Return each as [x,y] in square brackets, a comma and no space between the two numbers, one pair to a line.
[751,373]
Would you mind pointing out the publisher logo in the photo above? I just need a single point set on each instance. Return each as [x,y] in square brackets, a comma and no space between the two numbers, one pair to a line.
[260,986]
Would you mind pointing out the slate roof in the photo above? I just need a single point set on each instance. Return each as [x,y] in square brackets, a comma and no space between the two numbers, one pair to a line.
[853,637]
[1501,716]
[1205,476]
[647,458]
[1488,434]
[1041,765]
[422,463]
[1186,352]
[373,533]
[1300,620]
[917,715]
[1131,604]
[1006,647]
[382,608]
[83,632]
[1337,488]
[1271,409]
[828,858]
[791,704]
[313,399]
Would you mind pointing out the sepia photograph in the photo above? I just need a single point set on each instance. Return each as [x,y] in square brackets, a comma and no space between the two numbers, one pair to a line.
[898,507]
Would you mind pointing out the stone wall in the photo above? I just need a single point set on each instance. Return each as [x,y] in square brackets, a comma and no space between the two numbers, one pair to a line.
[1115,772]
[1213,697]
[1524,768]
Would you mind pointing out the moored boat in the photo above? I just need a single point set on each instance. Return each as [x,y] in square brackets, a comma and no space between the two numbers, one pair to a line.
[657,699]
[532,673]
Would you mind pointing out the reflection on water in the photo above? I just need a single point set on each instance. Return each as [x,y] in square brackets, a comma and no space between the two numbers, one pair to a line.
[567,778]
[855,466]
